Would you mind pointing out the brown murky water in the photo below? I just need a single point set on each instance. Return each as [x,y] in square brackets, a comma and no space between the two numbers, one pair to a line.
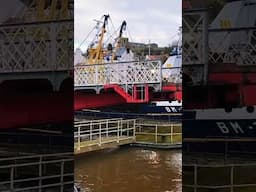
[129,170]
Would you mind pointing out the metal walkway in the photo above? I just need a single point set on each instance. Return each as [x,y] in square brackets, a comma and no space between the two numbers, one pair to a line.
[100,134]
[131,80]
[124,74]
[106,133]
[123,82]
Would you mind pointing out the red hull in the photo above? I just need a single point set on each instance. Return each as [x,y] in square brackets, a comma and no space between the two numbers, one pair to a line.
[42,108]
[90,100]
[28,110]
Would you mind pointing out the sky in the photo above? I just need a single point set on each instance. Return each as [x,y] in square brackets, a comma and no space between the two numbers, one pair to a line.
[154,20]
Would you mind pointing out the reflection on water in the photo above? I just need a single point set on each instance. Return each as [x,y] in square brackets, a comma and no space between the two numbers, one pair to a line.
[130,170]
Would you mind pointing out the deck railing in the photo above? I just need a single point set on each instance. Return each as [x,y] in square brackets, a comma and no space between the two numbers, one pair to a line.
[98,132]
[37,173]
[103,131]
[36,47]
[158,133]
[121,73]
[172,75]
[228,177]
[233,46]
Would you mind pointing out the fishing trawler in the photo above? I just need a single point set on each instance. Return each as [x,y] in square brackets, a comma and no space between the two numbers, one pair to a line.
[100,52]
[171,72]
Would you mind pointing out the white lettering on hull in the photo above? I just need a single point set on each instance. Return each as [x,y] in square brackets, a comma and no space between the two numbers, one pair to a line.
[234,127]
[223,128]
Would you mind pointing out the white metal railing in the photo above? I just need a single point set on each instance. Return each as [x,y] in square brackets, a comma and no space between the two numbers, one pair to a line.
[237,46]
[32,47]
[203,45]
[122,73]
[163,131]
[99,132]
[172,75]
[232,182]
[37,172]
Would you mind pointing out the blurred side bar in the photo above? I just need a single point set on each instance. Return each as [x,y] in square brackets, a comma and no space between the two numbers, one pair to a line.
[219,68]
[36,96]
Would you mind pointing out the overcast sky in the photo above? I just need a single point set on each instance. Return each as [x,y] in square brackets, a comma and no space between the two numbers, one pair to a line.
[157,20]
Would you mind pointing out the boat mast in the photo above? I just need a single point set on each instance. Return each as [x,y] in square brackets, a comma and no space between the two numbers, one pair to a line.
[122,29]
[149,51]
[123,26]
[96,54]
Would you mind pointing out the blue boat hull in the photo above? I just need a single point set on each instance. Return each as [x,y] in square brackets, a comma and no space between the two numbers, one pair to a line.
[164,117]
[228,129]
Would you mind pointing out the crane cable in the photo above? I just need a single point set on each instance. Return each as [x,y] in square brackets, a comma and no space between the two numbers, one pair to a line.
[135,49]
[87,37]
[113,34]
[115,31]
[129,34]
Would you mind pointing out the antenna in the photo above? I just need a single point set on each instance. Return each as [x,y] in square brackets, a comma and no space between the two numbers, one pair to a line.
[149,47]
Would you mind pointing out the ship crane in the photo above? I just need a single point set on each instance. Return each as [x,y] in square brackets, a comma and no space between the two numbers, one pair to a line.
[96,54]
[119,38]
[123,28]
[96,51]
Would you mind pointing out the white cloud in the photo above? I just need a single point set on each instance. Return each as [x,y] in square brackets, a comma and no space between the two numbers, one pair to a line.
[157,20]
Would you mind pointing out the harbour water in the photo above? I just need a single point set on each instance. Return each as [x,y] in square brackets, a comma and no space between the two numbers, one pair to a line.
[129,169]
